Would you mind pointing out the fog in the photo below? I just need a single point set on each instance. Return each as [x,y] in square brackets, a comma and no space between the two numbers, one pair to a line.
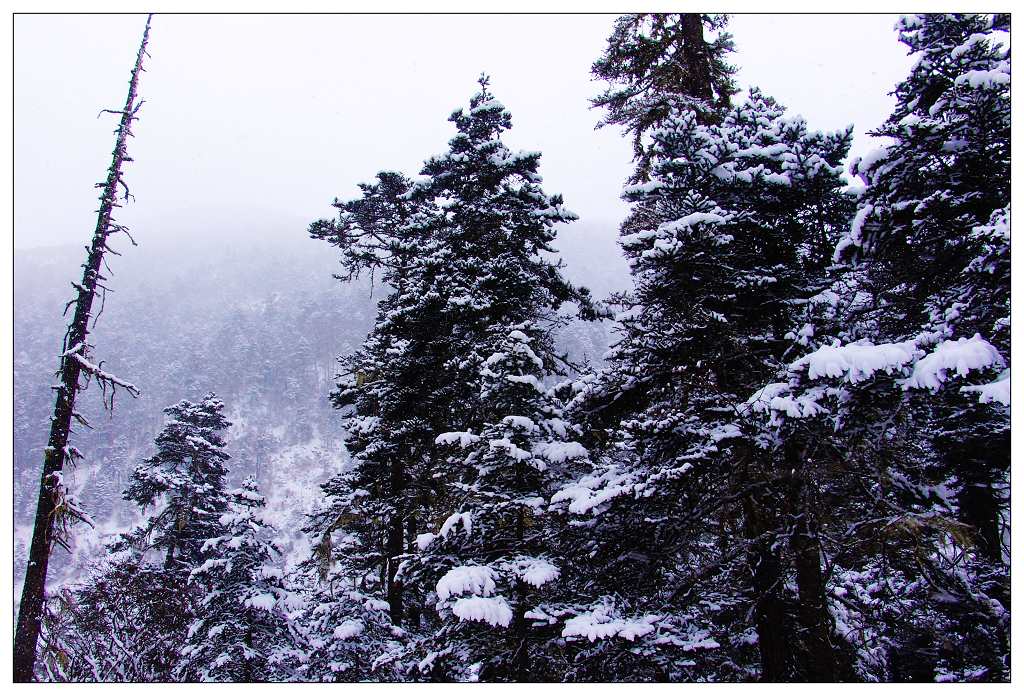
[258,122]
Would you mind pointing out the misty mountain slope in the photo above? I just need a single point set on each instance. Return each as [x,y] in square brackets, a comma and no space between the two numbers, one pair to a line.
[259,324]
[256,318]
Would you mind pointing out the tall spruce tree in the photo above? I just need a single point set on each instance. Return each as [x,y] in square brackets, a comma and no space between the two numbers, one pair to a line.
[129,620]
[944,175]
[733,228]
[386,388]
[184,481]
[464,250]
[489,270]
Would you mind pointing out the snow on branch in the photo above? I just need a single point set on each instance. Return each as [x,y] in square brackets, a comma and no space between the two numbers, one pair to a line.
[476,579]
[993,391]
[856,362]
[963,355]
[535,571]
[494,611]
[464,439]
[105,379]
[600,624]
[449,524]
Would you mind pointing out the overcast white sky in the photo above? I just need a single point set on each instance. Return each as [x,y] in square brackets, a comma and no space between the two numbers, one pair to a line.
[260,121]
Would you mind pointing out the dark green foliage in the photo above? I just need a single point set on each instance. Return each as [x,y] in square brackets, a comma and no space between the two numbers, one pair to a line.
[494,563]
[657,63]
[187,475]
[241,631]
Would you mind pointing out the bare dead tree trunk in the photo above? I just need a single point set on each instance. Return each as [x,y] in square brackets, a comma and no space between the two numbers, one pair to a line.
[54,510]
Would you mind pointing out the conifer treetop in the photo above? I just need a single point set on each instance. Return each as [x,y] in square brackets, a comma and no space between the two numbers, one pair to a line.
[656,62]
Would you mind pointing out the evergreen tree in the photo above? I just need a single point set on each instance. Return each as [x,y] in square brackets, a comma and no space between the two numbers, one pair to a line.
[918,311]
[793,467]
[463,250]
[130,619]
[929,194]
[488,272]
[737,223]
[184,481]
[386,388]
[346,633]
[492,564]
[241,633]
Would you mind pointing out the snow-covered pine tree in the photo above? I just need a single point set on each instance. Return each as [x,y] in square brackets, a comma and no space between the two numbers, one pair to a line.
[656,62]
[944,175]
[496,226]
[910,368]
[492,563]
[739,219]
[464,251]
[241,632]
[346,633]
[184,482]
[489,263]
[386,390]
[129,620]
[489,270]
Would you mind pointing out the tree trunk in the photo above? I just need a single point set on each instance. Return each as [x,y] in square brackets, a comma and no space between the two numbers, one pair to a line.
[520,629]
[73,363]
[760,525]
[813,615]
[698,64]
[247,664]
[169,559]
[413,608]
[769,610]
[520,632]
[393,549]
[393,544]
[979,508]
[976,449]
